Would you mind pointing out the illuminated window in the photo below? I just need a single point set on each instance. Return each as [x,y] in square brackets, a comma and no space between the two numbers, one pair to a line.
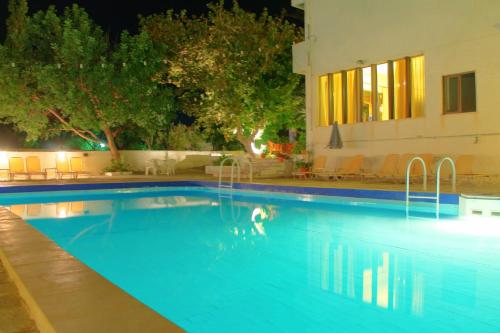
[338,99]
[459,93]
[401,89]
[383,111]
[391,90]
[417,86]
[352,96]
[324,101]
[367,106]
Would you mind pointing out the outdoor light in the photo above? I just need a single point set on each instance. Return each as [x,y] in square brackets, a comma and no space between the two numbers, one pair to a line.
[102,144]
[3,157]
[256,150]
[61,155]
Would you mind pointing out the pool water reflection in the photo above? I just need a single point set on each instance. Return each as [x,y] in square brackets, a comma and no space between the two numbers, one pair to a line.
[263,264]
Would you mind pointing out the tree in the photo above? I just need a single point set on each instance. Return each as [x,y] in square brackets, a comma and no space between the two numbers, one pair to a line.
[235,69]
[64,75]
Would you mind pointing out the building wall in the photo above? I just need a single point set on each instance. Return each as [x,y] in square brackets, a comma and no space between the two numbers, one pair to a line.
[96,161]
[454,36]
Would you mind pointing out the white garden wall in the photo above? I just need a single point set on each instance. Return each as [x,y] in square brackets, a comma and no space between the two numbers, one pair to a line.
[96,161]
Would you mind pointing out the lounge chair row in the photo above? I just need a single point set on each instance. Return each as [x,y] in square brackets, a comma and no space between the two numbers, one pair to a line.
[31,166]
[393,168]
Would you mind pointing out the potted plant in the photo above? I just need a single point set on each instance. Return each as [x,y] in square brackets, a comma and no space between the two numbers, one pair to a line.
[303,166]
[117,168]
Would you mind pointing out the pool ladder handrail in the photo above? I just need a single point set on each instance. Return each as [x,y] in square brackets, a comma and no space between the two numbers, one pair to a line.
[437,197]
[235,163]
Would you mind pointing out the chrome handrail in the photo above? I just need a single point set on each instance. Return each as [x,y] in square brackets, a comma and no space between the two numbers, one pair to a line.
[437,197]
[235,163]
[438,176]
[408,172]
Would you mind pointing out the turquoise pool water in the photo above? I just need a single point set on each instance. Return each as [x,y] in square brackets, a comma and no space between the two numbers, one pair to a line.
[255,262]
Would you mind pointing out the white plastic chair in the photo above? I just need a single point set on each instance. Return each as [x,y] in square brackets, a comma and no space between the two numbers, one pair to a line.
[151,165]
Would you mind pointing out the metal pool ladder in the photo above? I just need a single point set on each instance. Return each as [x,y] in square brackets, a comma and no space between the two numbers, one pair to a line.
[435,197]
[234,164]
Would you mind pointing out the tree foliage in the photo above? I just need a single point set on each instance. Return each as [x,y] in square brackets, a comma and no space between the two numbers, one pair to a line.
[61,73]
[230,70]
[234,68]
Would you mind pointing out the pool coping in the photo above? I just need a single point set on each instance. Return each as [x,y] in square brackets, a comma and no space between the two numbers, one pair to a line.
[62,293]
[445,198]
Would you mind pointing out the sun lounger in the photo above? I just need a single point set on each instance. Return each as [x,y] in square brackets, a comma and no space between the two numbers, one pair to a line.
[77,167]
[388,169]
[417,169]
[351,168]
[34,168]
[16,168]
[464,168]
[62,168]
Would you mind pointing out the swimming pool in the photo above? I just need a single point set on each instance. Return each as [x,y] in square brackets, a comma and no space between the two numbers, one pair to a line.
[267,262]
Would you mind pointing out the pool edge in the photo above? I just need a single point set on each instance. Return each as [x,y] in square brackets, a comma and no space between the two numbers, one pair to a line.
[445,198]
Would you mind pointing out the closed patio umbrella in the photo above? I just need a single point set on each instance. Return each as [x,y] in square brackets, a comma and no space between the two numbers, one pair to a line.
[335,140]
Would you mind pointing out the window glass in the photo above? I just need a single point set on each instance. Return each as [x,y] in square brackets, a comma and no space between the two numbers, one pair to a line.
[468,90]
[451,94]
[337,98]
[382,92]
[352,96]
[401,110]
[417,86]
[367,107]
[324,101]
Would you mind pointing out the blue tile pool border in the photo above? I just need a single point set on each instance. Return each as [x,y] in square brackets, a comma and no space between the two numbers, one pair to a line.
[445,198]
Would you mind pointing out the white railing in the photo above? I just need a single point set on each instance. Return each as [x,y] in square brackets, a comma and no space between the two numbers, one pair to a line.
[435,197]
[235,163]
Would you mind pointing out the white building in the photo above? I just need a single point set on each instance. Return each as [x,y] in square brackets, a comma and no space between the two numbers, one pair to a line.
[403,76]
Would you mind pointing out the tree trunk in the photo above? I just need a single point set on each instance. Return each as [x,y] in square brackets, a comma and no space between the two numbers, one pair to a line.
[115,154]
[247,144]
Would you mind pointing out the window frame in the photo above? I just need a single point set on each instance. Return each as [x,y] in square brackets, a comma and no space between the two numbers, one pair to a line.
[390,74]
[459,93]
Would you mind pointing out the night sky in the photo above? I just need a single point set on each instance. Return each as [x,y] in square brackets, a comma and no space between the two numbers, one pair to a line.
[114,16]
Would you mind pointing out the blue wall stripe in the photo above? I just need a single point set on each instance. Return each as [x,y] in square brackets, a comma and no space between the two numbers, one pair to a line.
[341,192]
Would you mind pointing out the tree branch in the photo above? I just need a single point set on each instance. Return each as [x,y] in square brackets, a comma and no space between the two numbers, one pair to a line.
[72,129]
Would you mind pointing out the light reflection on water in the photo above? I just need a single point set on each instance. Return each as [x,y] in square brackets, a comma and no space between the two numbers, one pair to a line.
[213,264]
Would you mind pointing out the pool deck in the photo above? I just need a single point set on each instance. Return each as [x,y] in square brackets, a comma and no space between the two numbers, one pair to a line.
[61,294]
[488,187]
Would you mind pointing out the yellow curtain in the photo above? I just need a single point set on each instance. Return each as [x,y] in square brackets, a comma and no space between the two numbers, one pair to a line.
[367,107]
[324,108]
[337,98]
[352,96]
[382,92]
[417,86]
[400,92]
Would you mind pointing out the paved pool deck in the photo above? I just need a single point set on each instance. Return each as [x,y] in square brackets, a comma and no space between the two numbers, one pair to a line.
[478,186]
